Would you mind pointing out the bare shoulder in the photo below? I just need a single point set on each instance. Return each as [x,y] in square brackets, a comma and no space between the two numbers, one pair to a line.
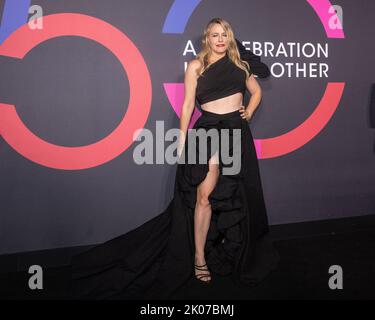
[193,67]
[195,63]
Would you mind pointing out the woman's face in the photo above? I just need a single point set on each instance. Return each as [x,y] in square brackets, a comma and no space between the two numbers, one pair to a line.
[218,39]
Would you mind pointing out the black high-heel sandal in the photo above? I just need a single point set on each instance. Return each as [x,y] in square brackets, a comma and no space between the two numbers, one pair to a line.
[199,276]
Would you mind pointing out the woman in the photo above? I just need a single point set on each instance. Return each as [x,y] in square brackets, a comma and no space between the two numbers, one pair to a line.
[215,97]
[216,222]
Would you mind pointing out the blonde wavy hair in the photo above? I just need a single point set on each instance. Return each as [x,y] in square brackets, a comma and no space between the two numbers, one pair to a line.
[232,49]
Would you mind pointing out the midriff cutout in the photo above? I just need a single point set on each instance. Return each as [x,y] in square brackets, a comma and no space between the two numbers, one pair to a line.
[224,105]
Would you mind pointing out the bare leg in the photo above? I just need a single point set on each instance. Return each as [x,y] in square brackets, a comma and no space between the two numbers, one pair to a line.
[202,215]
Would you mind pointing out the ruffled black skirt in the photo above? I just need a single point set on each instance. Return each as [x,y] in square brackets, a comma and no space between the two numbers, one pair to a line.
[157,258]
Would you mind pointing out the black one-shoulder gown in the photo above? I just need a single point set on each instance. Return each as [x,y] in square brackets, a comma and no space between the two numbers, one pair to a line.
[157,258]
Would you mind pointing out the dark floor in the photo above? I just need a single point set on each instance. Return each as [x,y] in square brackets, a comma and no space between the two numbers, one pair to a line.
[302,273]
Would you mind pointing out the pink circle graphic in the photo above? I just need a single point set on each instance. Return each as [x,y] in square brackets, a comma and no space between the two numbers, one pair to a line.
[21,139]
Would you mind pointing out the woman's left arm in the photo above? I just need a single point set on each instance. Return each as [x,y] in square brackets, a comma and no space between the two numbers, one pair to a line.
[256,95]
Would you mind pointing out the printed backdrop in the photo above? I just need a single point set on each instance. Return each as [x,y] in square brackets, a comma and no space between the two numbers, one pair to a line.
[73,93]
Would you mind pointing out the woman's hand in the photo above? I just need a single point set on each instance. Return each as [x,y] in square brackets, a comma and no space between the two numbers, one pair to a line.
[245,113]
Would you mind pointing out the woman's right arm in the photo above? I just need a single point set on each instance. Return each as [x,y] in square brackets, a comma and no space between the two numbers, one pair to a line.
[188,106]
